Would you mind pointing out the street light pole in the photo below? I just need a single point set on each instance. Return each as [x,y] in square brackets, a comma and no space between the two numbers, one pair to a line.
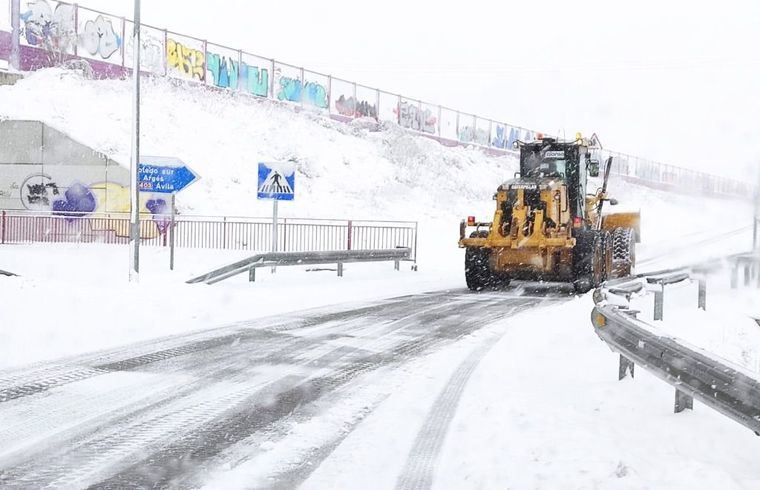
[134,195]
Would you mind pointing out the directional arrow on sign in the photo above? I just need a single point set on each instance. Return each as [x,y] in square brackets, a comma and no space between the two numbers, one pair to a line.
[166,175]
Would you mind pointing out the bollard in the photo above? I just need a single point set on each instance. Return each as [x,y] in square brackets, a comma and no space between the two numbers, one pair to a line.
[397,265]
[624,367]
[252,274]
[702,300]
[735,276]
[340,269]
[659,300]
[683,401]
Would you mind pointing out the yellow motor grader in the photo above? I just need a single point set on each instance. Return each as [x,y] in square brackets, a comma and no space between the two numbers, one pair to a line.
[548,227]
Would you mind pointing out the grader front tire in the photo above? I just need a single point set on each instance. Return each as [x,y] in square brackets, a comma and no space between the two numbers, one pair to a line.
[477,272]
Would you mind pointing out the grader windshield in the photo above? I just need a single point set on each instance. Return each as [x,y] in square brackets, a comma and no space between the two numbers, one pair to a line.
[552,159]
[543,163]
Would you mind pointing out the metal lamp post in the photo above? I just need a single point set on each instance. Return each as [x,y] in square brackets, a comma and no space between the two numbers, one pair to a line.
[134,195]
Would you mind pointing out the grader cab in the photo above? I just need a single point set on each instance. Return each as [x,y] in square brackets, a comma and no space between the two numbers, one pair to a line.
[548,227]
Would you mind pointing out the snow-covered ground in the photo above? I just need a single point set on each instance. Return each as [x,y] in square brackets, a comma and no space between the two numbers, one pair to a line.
[727,328]
[542,409]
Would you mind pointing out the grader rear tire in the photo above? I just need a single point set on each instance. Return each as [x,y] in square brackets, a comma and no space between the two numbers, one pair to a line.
[588,261]
[623,251]
[608,256]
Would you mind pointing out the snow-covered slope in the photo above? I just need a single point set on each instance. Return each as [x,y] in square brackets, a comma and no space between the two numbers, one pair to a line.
[343,170]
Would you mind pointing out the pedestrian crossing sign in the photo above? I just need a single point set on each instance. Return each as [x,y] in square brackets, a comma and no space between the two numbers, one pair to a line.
[277,181]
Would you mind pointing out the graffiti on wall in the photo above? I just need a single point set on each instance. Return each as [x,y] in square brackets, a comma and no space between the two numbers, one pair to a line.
[42,192]
[499,140]
[254,80]
[350,107]
[48,28]
[412,117]
[294,90]
[99,37]
[152,54]
[189,62]
[223,70]
[468,134]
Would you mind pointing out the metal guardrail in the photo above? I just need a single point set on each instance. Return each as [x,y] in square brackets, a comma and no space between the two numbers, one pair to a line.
[692,373]
[275,259]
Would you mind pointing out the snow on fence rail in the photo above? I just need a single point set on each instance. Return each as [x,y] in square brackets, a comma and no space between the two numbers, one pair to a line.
[52,33]
[228,233]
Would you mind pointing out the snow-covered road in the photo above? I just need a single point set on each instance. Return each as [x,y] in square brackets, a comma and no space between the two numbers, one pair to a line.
[170,411]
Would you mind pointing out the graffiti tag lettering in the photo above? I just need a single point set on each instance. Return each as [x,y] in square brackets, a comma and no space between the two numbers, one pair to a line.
[50,29]
[349,107]
[254,79]
[313,93]
[38,191]
[99,37]
[500,140]
[224,70]
[411,117]
[187,61]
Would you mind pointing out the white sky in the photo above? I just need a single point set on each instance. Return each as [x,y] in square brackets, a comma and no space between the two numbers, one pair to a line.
[672,81]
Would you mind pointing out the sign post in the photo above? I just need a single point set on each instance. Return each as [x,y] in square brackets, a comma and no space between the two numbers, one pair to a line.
[277,181]
[165,175]
[171,231]
[134,194]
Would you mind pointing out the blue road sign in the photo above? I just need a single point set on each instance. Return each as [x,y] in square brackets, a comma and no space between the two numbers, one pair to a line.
[165,175]
[277,180]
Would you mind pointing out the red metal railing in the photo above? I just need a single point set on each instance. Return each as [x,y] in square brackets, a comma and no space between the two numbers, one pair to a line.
[230,233]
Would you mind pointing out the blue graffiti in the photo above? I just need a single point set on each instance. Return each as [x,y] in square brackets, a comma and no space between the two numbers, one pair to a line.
[78,200]
[500,140]
[313,93]
[223,69]
[254,79]
[159,209]
[514,135]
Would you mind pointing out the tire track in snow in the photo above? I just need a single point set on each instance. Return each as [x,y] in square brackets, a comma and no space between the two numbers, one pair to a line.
[420,466]
[62,375]
[171,443]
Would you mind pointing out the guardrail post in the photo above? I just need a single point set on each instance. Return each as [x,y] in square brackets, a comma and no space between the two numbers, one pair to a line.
[2,229]
[659,300]
[747,274]
[683,401]
[702,299]
[735,276]
[396,265]
[350,234]
[340,269]
[625,366]
[252,274]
